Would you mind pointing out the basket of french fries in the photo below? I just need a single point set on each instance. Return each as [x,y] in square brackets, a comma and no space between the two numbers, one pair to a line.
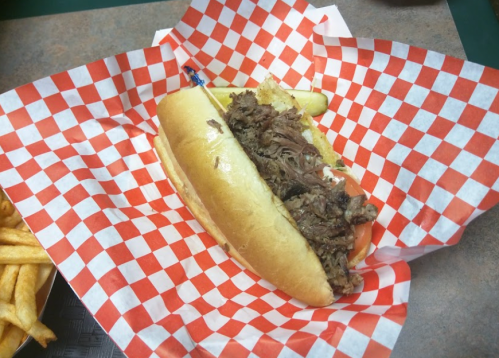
[26,277]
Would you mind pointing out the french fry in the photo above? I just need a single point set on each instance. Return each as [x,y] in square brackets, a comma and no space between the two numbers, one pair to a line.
[7,284]
[44,272]
[11,236]
[24,269]
[8,313]
[6,208]
[22,254]
[11,340]
[11,220]
[3,325]
[22,226]
[41,333]
[25,296]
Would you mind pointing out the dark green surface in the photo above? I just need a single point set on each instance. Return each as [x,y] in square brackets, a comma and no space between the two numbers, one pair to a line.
[15,9]
[478,28]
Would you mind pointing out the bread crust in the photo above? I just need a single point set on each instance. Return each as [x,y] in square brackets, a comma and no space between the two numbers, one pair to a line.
[190,197]
[225,192]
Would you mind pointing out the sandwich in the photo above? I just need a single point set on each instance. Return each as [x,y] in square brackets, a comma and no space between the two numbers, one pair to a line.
[266,184]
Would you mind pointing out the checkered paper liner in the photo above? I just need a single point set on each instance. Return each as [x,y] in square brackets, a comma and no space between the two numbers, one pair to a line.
[419,129]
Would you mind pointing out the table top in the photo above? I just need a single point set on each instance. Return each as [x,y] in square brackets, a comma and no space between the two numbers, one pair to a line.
[453,301]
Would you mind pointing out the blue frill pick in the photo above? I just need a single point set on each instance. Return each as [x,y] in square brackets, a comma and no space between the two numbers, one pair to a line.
[198,81]
[194,76]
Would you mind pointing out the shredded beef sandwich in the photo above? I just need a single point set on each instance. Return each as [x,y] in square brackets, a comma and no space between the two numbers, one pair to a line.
[324,213]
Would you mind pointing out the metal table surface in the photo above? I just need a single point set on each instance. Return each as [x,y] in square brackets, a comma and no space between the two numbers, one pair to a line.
[453,302]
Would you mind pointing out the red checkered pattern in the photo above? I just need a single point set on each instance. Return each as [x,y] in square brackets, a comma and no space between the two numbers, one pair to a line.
[419,129]
[239,43]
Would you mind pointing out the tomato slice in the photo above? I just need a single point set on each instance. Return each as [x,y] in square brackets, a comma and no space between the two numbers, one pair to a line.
[363,233]
[351,187]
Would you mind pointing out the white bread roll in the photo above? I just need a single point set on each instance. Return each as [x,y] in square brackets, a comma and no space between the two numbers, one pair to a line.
[226,194]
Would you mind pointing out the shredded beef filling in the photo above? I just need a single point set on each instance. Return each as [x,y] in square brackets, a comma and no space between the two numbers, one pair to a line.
[325,214]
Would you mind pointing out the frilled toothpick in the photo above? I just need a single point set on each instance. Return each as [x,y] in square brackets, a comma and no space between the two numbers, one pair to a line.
[198,81]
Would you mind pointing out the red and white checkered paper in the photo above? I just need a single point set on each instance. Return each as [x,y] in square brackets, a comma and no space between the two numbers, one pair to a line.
[420,129]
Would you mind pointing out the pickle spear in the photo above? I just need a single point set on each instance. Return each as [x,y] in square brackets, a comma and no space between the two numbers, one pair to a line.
[315,103]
